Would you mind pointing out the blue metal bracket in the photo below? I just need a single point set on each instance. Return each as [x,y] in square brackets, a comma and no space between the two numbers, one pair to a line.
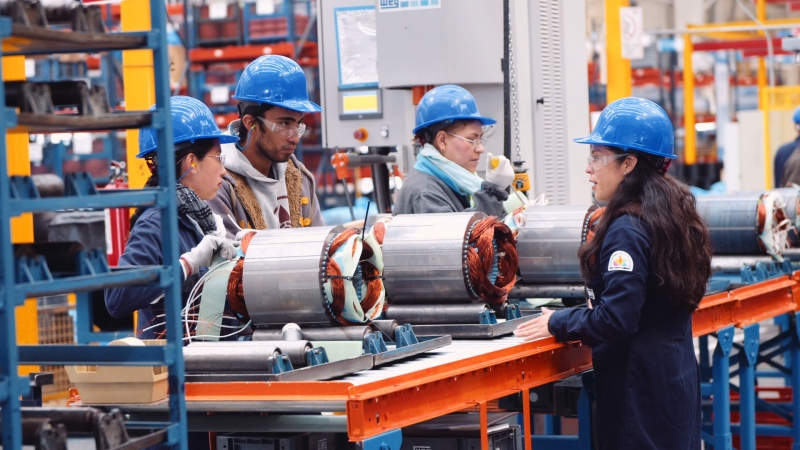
[747,275]
[280,364]
[391,440]
[22,187]
[93,262]
[404,336]
[512,311]
[374,344]
[786,267]
[79,184]
[488,317]
[752,341]
[316,356]
[725,340]
[32,270]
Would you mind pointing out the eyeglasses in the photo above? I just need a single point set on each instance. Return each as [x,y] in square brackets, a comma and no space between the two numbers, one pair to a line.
[220,158]
[287,131]
[598,162]
[475,142]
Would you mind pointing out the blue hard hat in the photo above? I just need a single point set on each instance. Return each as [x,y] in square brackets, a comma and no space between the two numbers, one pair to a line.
[275,80]
[448,102]
[796,116]
[634,124]
[191,120]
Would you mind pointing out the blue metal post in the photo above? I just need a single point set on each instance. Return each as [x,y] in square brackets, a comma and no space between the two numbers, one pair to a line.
[721,389]
[9,298]
[795,353]
[585,419]
[747,389]
[177,437]
[705,361]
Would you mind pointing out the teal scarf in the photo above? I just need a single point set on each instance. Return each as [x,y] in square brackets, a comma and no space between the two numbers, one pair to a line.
[457,178]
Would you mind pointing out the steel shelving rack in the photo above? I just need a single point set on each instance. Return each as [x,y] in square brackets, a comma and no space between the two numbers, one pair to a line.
[30,277]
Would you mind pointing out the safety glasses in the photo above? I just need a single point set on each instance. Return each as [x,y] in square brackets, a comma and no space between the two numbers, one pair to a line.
[286,131]
[598,162]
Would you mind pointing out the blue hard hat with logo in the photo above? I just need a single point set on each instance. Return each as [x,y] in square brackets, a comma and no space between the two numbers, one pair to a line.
[448,102]
[191,121]
[275,80]
[796,115]
[634,124]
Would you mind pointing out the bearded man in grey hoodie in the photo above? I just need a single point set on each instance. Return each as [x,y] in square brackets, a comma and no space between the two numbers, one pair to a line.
[267,187]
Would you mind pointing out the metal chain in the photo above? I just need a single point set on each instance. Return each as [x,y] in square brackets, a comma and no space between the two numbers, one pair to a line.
[512,81]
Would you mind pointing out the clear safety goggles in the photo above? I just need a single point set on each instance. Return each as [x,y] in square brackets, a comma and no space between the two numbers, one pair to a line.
[598,162]
[286,131]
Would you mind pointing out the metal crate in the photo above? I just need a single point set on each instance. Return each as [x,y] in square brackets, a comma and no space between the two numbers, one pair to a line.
[56,326]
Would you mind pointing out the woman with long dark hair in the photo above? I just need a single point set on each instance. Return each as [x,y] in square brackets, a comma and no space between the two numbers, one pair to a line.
[199,165]
[646,270]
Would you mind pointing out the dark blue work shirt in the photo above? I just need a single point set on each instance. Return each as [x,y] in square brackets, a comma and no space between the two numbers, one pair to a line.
[784,152]
[144,249]
[648,380]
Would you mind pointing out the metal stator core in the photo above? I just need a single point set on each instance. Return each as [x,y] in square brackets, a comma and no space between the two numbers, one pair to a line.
[732,221]
[548,244]
[424,258]
[283,276]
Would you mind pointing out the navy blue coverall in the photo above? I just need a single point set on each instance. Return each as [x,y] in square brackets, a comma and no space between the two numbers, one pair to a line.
[647,376]
[144,249]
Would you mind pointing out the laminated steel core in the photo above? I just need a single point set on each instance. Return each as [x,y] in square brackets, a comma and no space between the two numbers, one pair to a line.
[548,243]
[283,275]
[424,258]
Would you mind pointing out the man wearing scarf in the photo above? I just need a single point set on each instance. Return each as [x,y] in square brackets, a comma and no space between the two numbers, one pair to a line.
[267,187]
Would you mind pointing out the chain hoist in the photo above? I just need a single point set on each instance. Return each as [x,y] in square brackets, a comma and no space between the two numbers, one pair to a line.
[522,181]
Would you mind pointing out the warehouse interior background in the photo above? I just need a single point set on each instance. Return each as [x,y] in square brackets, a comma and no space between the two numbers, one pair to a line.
[445,371]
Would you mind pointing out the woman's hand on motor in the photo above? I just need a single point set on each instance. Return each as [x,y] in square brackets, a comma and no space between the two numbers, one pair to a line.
[537,328]
[202,255]
[499,170]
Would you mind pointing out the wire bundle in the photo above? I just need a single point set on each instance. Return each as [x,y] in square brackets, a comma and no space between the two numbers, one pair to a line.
[772,227]
[491,258]
[358,296]
[592,219]
[235,286]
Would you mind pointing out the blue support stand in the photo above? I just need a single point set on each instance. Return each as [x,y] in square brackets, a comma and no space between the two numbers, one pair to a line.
[747,388]
[391,440]
[795,352]
[721,388]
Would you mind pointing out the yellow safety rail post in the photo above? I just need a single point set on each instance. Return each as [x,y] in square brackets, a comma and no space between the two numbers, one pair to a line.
[138,83]
[19,163]
[619,69]
[690,137]
[761,15]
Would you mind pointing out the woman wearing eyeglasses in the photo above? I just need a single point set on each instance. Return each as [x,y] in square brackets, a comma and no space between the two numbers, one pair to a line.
[450,129]
[199,168]
[646,270]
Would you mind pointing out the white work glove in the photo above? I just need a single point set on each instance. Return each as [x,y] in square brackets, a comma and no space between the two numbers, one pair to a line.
[202,255]
[499,171]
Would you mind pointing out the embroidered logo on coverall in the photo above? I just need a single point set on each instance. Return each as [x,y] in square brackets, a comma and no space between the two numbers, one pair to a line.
[620,261]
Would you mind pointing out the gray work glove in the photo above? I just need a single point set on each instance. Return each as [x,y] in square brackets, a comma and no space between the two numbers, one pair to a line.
[202,255]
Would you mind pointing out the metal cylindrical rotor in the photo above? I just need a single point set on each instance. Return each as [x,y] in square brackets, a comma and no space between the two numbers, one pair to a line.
[295,350]
[424,258]
[732,222]
[436,314]
[283,275]
[347,333]
[228,359]
[548,244]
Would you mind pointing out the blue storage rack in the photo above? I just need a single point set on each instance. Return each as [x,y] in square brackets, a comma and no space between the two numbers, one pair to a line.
[30,277]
